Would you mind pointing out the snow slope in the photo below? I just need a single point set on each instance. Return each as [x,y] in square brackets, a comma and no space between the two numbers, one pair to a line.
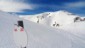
[49,18]
[77,31]
[41,36]
[38,36]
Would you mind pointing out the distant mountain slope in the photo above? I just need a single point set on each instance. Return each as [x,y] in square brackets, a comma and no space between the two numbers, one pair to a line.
[59,18]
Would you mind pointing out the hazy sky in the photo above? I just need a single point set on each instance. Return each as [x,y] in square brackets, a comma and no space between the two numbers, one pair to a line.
[38,6]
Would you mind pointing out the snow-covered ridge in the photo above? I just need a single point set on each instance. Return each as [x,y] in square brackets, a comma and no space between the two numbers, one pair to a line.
[58,18]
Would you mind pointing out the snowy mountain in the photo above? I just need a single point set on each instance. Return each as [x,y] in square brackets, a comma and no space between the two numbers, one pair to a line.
[40,36]
[58,18]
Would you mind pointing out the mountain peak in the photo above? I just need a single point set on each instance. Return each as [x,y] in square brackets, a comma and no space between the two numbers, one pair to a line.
[62,11]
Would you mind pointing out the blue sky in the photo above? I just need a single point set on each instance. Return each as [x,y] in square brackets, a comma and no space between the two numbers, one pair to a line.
[26,7]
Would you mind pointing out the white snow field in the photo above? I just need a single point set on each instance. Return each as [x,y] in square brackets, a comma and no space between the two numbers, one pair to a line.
[41,36]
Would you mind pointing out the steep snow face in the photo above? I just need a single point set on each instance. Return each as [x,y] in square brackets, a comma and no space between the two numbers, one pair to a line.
[38,36]
[52,18]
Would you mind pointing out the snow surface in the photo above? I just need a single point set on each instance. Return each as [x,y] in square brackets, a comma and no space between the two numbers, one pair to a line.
[42,36]
[77,31]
